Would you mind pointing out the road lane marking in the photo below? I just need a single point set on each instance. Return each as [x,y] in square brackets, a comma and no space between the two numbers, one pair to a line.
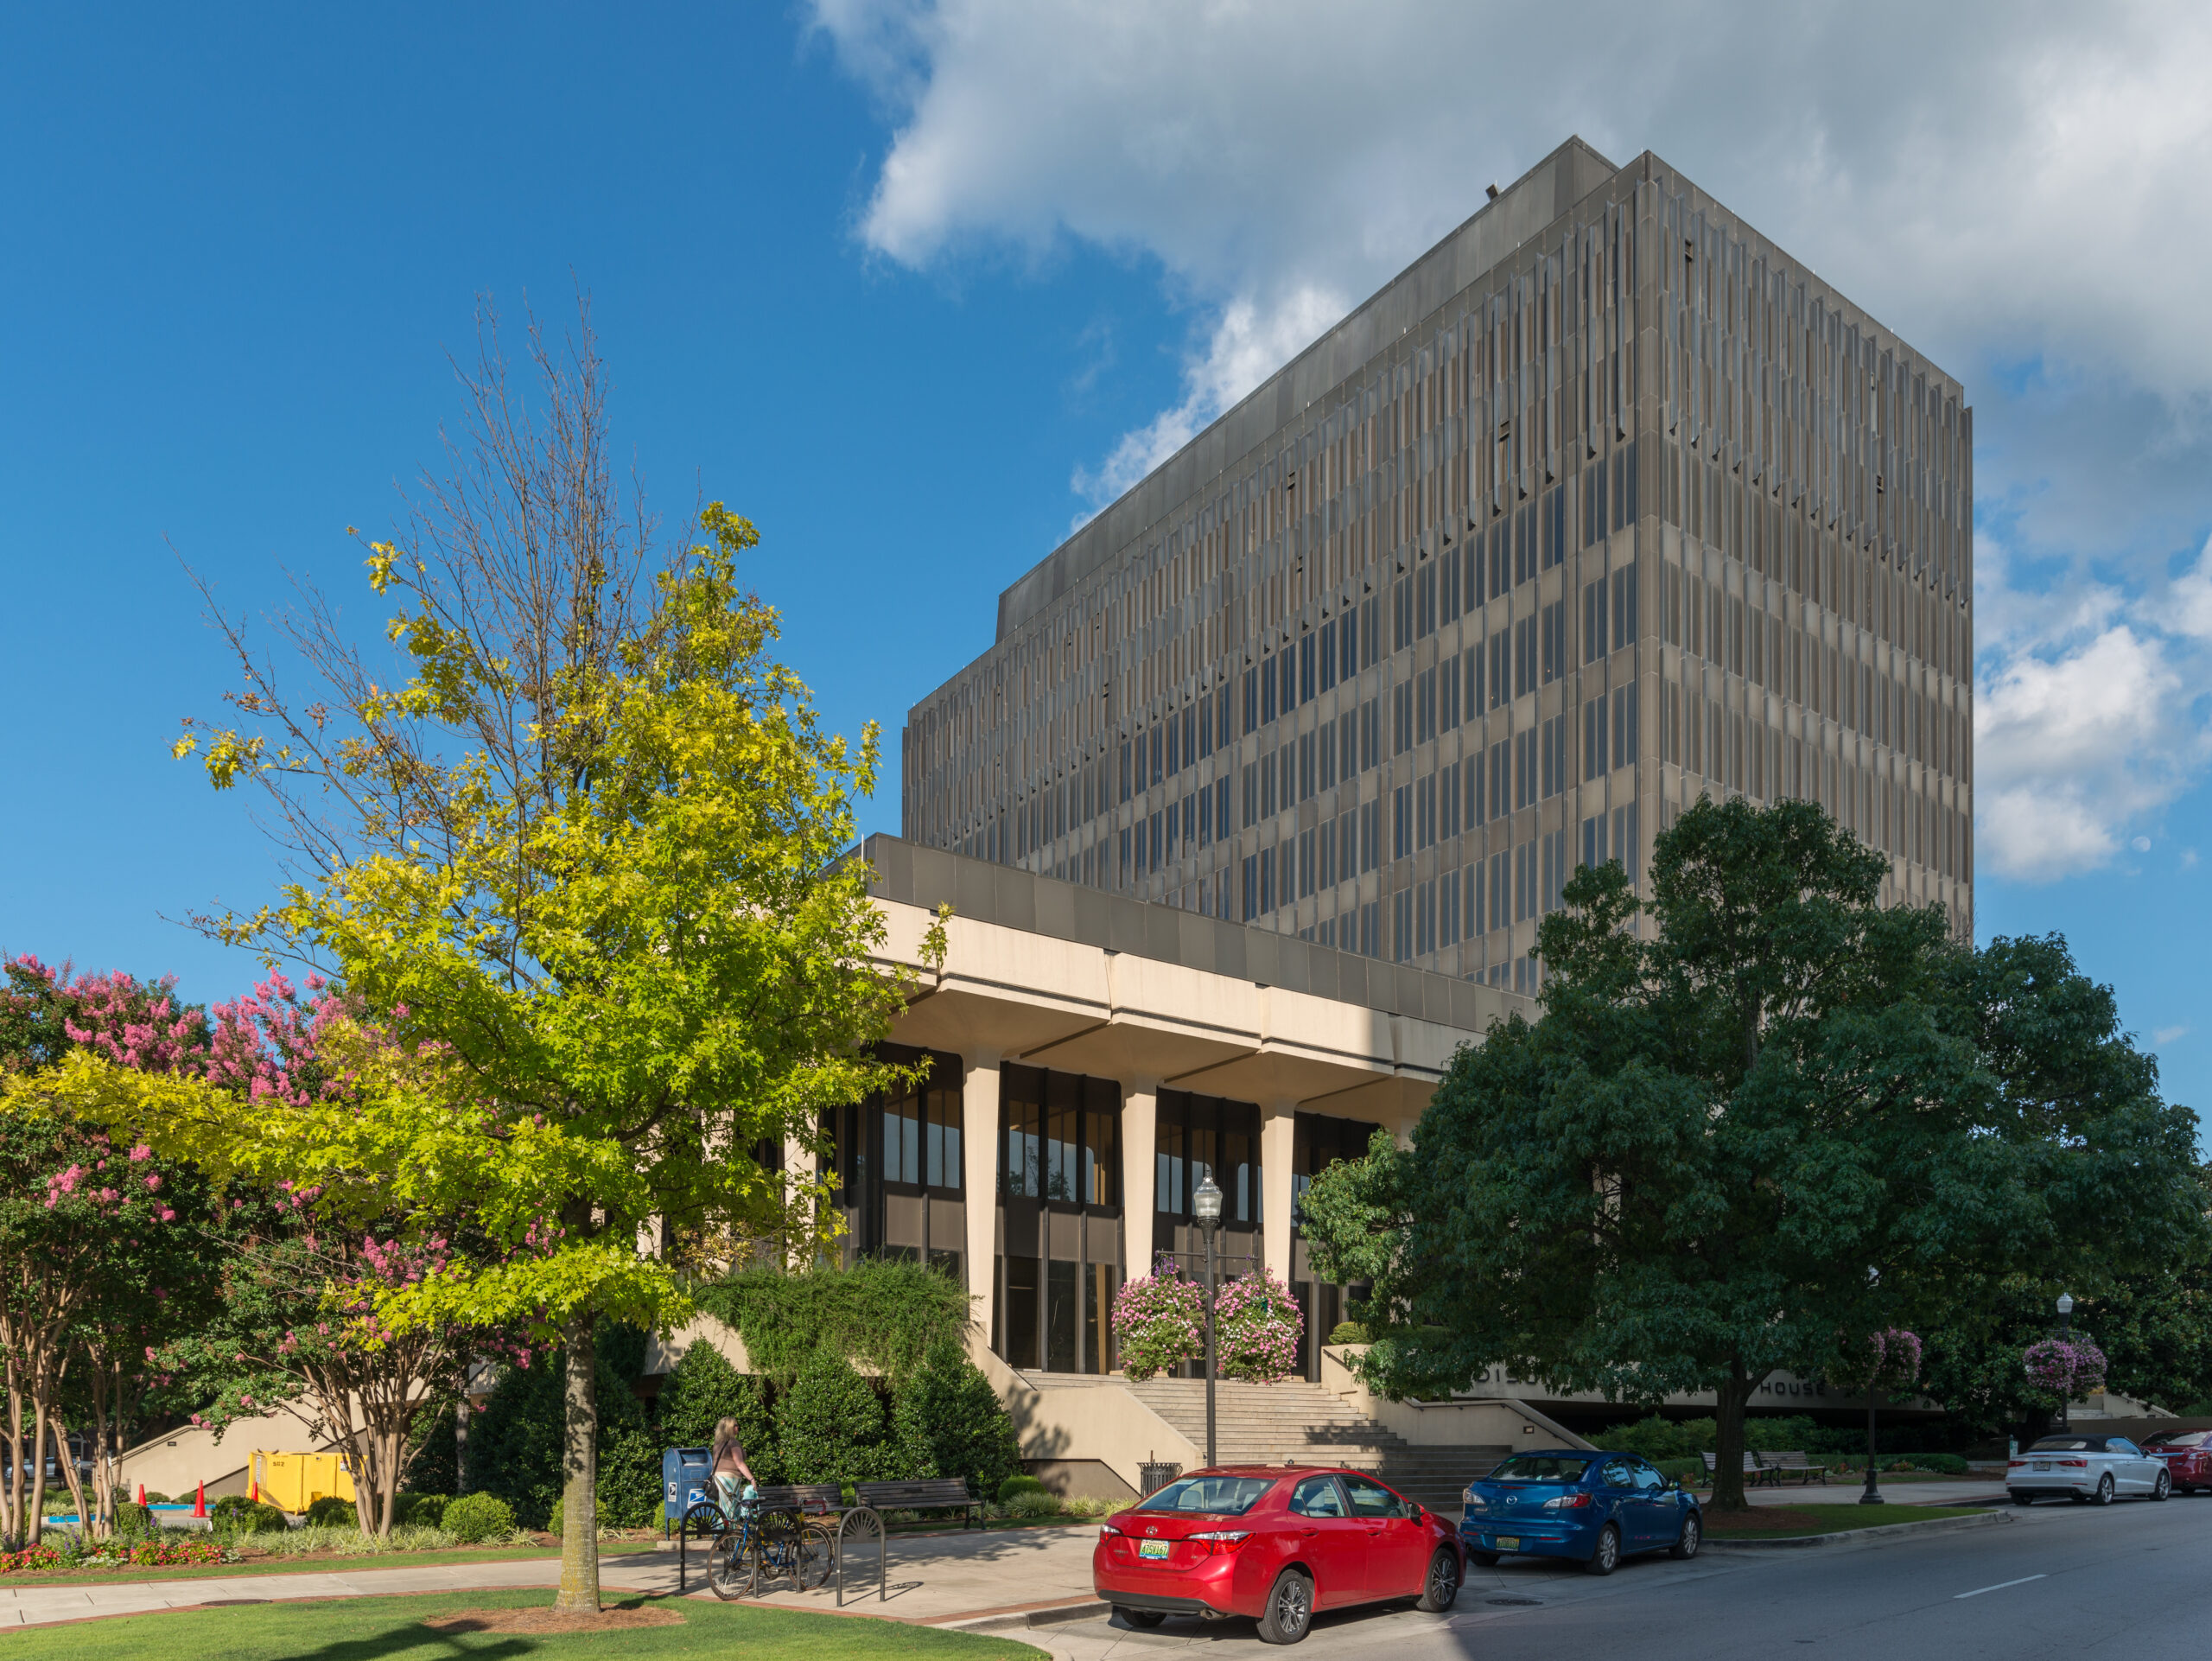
[2000,1586]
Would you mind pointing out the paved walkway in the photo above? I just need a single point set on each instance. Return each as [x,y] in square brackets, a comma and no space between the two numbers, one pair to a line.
[936,1580]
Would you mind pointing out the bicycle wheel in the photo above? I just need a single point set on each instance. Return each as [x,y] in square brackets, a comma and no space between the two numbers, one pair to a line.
[705,1521]
[811,1559]
[731,1570]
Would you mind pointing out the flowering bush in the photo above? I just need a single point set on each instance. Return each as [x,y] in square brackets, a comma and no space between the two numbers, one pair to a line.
[114,1554]
[1257,1325]
[30,1558]
[1159,1320]
[2063,1368]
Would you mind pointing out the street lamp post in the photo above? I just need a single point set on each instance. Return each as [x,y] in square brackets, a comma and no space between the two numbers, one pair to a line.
[1873,1494]
[1206,1205]
[2065,1330]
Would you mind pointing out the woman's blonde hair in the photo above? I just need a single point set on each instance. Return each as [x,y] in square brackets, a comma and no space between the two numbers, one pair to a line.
[726,1436]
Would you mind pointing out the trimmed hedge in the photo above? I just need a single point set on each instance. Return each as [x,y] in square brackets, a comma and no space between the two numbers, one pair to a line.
[237,1514]
[1014,1485]
[475,1518]
[949,1408]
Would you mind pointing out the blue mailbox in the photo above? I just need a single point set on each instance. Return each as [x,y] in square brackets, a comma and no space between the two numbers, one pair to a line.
[686,1477]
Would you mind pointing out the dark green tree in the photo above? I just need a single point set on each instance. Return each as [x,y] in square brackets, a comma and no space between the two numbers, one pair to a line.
[702,1391]
[831,1426]
[515,1444]
[1772,1118]
[952,1409]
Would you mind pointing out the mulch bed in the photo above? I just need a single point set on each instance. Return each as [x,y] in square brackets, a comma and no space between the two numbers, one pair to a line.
[1762,1519]
[549,1620]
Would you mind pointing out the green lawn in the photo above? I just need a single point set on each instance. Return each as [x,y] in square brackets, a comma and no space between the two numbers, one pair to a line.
[1795,1522]
[310,1565]
[389,1629]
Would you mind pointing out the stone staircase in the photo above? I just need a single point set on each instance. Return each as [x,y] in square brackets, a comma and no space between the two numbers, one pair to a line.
[1297,1422]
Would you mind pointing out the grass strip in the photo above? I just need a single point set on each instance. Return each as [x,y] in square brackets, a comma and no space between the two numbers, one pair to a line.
[392,1629]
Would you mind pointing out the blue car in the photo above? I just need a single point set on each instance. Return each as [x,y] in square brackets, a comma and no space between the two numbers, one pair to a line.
[1593,1508]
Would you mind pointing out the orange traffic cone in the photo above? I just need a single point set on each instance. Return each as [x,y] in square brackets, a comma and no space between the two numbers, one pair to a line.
[142,1493]
[200,1501]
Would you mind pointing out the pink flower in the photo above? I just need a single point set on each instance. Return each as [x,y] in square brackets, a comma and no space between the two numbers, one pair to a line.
[141,1152]
[167,1216]
[153,1182]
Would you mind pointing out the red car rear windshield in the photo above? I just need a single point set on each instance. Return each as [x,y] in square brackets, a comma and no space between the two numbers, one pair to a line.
[2180,1439]
[1216,1496]
[1541,1467]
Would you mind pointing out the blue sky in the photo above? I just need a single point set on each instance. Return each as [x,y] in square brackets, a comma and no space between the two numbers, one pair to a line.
[915,286]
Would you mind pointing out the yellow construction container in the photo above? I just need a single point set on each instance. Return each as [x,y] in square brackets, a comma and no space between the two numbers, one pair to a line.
[292,1482]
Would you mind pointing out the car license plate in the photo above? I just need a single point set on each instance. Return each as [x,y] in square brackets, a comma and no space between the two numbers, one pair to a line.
[1152,1547]
[2041,1465]
[1508,1543]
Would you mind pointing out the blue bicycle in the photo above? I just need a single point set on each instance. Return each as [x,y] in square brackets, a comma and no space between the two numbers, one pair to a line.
[752,1550]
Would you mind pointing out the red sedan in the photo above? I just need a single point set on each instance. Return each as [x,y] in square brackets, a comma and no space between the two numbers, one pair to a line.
[1277,1543]
[2188,1454]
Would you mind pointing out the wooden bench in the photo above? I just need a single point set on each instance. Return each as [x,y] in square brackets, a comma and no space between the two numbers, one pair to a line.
[1793,1462]
[933,1493]
[809,1499]
[1753,1469]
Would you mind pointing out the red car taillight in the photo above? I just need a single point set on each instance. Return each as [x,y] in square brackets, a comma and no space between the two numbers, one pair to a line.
[2014,1464]
[1107,1531]
[1569,1502]
[2078,1464]
[1219,1542]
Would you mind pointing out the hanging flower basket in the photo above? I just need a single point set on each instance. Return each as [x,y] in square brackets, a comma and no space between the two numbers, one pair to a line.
[1889,1360]
[1159,1320]
[1257,1325]
[2065,1368]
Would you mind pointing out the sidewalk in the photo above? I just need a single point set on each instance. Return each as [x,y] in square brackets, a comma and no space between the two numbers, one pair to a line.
[933,1580]
[1845,1491]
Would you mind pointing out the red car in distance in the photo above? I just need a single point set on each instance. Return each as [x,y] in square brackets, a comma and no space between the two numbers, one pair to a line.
[2188,1454]
[1275,1542]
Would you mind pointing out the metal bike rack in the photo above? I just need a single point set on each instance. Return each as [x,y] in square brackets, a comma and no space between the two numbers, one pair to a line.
[860,1525]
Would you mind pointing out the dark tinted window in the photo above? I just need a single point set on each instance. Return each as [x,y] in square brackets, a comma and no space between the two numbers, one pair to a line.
[1647,1478]
[1619,1473]
[1371,1498]
[1541,1467]
[1317,1497]
[1217,1496]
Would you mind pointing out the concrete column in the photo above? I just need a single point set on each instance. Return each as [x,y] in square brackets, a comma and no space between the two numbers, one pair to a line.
[979,1146]
[1277,1123]
[1140,1171]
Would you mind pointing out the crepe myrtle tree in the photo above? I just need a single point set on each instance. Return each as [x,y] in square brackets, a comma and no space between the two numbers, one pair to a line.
[1743,1095]
[579,847]
[105,1248]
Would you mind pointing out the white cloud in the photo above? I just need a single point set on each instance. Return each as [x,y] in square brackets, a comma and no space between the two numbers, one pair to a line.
[2014,185]
[2166,1035]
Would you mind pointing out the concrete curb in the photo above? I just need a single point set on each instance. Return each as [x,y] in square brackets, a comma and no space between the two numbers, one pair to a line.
[1023,1621]
[1860,1536]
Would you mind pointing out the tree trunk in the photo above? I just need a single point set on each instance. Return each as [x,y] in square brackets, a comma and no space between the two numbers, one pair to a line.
[11,1489]
[35,1524]
[69,1476]
[580,1473]
[1728,1403]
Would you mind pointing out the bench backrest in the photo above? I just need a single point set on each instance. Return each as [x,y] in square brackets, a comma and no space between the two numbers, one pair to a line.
[804,1496]
[931,1491]
[1793,1459]
[1751,1460]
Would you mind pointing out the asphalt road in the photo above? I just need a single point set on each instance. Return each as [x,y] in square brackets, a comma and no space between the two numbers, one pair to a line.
[2057,1581]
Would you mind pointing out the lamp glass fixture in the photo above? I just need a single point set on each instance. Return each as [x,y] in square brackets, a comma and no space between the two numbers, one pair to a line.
[1205,1201]
[2065,1303]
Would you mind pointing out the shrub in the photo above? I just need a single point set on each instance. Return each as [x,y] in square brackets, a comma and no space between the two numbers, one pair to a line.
[830,1424]
[1348,1332]
[885,1311]
[1256,1328]
[1019,1484]
[1941,1464]
[1682,1470]
[331,1512]
[420,1509]
[962,1419]
[475,1518]
[132,1520]
[159,1499]
[703,1391]
[1033,1505]
[1159,1320]
[236,1514]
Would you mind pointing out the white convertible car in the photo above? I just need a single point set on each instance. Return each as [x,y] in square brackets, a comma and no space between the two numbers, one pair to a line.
[2087,1469]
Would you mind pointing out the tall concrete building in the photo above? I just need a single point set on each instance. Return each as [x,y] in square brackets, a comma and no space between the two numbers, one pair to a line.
[1604,504]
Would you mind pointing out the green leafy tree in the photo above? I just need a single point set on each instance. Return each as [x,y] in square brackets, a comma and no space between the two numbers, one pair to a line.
[516,1441]
[951,1407]
[580,852]
[1783,1119]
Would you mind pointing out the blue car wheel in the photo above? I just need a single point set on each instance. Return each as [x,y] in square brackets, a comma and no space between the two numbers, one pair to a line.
[1692,1536]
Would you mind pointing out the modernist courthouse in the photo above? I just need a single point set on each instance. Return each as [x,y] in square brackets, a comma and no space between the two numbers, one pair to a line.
[1249,816]
[1604,503]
